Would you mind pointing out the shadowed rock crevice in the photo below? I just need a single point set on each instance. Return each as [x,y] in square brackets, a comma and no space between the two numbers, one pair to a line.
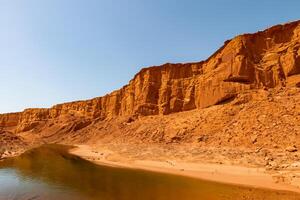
[238,79]
[227,99]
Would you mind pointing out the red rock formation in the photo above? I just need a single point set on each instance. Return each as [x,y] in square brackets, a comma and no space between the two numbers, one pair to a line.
[265,59]
[9,120]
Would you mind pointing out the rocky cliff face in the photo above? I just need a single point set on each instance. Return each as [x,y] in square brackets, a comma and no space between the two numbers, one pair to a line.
[266,59]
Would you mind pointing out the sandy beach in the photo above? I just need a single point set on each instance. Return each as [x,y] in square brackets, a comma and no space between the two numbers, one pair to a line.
[240,175]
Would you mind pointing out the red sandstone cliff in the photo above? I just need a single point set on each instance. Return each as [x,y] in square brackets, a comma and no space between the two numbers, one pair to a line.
[265,59]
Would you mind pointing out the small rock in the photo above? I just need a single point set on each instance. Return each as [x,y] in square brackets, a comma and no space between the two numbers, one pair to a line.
[254,139]
[291,148]
[268,158]
[202,138]
[295,165]
[257,150]
[273,164]
[284,166]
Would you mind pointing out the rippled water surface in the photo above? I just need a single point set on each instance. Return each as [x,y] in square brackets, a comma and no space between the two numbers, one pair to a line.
[49,172]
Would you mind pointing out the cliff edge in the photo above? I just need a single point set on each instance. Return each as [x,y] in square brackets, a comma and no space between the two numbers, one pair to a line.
[266,59]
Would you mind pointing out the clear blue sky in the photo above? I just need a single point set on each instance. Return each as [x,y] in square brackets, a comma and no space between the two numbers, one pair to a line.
[53,51]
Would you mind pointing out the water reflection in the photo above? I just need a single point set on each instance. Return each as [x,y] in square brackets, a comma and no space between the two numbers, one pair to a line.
[49,172]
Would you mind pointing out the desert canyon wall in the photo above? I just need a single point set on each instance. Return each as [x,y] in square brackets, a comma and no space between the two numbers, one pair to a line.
[266,59]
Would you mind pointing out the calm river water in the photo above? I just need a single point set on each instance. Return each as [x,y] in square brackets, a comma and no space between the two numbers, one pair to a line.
[50,172]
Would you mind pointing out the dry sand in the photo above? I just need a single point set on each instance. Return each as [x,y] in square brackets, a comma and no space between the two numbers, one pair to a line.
[254,177]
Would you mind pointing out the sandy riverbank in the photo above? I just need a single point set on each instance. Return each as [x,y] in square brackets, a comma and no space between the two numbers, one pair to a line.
[254,177]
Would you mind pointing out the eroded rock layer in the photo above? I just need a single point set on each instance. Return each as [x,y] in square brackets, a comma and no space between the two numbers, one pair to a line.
[265,59]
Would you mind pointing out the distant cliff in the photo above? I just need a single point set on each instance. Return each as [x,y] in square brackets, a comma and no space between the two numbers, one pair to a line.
[265,59]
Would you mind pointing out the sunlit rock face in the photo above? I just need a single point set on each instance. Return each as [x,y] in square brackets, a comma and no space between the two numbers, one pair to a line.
[265,59]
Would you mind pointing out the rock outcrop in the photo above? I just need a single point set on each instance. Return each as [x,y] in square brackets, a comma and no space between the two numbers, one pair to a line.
[266,59]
